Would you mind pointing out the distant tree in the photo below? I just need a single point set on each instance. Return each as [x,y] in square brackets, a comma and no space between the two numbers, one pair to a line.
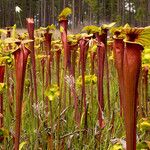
[135,12]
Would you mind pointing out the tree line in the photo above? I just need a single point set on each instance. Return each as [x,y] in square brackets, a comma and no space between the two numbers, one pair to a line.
[84,12]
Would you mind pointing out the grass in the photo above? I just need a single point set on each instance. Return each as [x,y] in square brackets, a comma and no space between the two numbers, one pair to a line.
[64,131]
[68,130]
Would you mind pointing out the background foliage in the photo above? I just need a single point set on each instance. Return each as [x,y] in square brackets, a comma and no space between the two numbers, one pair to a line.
[135,12]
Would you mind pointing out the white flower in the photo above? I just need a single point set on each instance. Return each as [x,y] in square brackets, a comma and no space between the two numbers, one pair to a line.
[18,9]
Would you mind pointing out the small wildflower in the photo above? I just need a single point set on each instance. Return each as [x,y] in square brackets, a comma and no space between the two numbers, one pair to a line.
[18,9]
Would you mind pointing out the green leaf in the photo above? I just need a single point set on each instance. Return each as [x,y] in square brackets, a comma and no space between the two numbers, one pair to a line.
[51,27]
[27,82]
[9,60]
[1,132]
[82,118]
[11,40]
[14,31]
[91,29]
[116,32]
[126,26]
[4,132]
[40,56]
[108,26]
[61,29]
[79,81]
[146,59]
[116,147]
[144,37]
[72,39]
[3,60]
[3,31]
[2,87]
[146,56]
[94,48]
[142,146]
[22,144]
[88,80]
[145,125]
[52,92]
[147,51]
[48,28]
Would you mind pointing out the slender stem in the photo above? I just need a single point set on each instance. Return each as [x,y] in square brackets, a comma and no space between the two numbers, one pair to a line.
[20,20]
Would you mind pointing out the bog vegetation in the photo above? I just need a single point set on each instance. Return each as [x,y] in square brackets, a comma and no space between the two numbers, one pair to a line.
[78,91]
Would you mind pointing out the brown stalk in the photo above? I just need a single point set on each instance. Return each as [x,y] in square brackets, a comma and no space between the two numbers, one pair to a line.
[58,54]
[83,44]
[100,75]
[30,27]
[64,26]
[73,58]
[73,65]
[2,71]
[47,43]
[69,68]
[118,50]
[43,76]
[92,56]
[100,60]
[107,68]
[72,54]
[20,56]
[131,71]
